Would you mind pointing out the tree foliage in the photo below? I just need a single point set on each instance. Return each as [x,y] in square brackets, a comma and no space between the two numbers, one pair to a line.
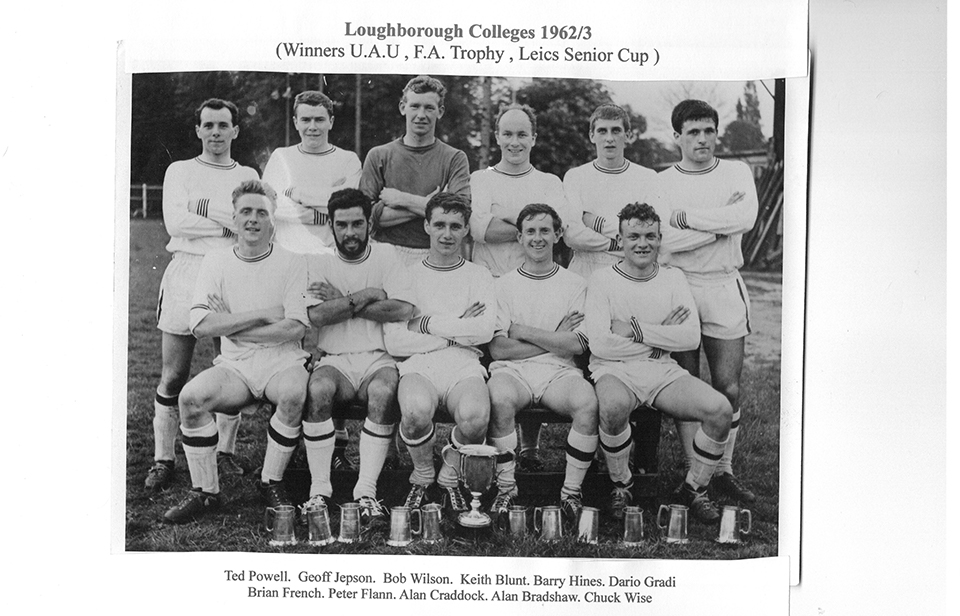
[163,104]
[744,133]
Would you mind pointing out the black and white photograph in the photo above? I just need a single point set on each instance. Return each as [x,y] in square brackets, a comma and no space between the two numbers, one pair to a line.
[572,422]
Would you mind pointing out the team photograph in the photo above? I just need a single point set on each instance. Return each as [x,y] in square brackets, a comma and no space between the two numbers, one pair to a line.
[454,315]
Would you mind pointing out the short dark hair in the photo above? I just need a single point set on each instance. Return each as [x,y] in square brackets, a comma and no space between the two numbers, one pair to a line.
[347,198]
[527,109]
[422,84]
[638,211]
[314,99]
[255,187]
[536,209]
[448,202]
[692,109]
[215,104]
[609,111]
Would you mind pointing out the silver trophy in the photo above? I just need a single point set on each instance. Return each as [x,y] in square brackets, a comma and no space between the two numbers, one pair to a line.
[477,468]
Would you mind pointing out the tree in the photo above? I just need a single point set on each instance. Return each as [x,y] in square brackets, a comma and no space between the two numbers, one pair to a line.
[744,133]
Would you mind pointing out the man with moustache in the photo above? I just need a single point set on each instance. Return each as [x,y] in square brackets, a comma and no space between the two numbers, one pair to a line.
[456,313]
[637,313]
[401,176]
[250,295]
[198,216]
[349,308]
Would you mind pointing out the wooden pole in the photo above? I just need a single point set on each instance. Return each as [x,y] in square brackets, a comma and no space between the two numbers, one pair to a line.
[143,193]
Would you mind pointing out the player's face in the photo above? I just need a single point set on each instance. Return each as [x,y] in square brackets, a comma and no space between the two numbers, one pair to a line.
[537,237]
[641,242]
[609,138]
[697,140]
[446,231]
[313,123]
[515,138]
[350,231]
[254,217]
[216,131]
[422,112]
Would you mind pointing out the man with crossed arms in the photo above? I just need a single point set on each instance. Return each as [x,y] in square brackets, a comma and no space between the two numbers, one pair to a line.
[250,295]
[637,313]
[352,362]
[539,331]
[456,313]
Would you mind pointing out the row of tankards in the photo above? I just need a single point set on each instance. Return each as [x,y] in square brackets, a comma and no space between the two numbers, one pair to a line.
[477,470]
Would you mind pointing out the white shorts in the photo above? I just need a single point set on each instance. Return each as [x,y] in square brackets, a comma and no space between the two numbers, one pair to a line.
[645,378]
[445,368]
[258,368]
[176,293]
[536,377]
[723,304]
[586,262]
[357,367]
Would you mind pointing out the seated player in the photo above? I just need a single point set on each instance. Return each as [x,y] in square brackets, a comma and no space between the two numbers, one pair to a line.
[251,295]
[498,195]
[353,362]
[456,312]
[637,313]
[539,331]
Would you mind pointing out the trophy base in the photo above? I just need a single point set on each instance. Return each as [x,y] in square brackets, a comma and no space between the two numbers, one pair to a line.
[398,544]
[473,519]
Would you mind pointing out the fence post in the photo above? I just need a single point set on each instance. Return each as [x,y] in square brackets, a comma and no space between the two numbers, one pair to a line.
[144,193]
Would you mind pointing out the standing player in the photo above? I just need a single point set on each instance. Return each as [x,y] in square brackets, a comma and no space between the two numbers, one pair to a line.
[456,313]
[306,174]
[252,296]
[539,316]
[499,193]
[401,176]
[197,214]
[637,314]
[596,191]
[354,363]
[711,203]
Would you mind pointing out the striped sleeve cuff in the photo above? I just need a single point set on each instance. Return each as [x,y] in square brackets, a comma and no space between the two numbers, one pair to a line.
[584,341]
[680,219]
[614,245]
[424,325]
[203,207]
[288,193]
[637,334]
[227,233]
[598,224]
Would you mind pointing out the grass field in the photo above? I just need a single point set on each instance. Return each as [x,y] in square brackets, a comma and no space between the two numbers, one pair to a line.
[238,525]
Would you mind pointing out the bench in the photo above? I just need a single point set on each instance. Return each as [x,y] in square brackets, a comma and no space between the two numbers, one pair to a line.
[533,486]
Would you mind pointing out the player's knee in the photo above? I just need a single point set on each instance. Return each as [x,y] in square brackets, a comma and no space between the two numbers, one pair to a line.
[731,392]
[321,391]
[192,402]
[417,416]
[380,394]
[291,401]
[473,426]
[718,412]
[502,403]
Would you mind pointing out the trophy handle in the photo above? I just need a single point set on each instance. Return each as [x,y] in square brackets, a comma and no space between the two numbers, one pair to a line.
[747,513]
[537,525]
[448,449]
[419,529]
[660,516]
